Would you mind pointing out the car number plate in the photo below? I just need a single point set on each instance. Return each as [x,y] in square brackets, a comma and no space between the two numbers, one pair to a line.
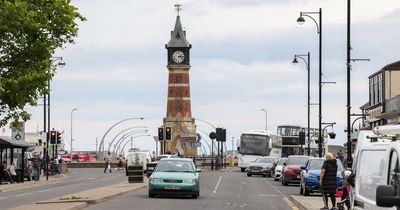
[150,168]
[172,188]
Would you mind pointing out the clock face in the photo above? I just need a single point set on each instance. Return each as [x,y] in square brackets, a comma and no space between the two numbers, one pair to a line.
[178,56]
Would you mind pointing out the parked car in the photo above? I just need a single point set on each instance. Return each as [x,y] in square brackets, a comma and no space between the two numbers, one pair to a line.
[310,175]
[278,169]
[261,166]
[291,168]
[175,176]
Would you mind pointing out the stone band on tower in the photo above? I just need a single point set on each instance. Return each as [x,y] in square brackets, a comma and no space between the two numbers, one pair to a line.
[179,114]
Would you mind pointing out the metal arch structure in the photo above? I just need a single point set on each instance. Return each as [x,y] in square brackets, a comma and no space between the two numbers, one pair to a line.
[123,136]
[213,126]
[101,145]
[122,149]
[112,141]
[119,142]
[209,146]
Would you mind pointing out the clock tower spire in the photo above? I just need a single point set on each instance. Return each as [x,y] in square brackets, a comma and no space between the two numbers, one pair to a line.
[179,114]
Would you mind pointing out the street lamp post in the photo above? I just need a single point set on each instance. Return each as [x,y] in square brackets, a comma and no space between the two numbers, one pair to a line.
[327,125]
[72,111]
[266,118]
[46,103]
[301,21]
[308,93]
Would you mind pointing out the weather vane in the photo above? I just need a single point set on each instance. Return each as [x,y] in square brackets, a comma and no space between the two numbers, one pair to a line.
[178,7]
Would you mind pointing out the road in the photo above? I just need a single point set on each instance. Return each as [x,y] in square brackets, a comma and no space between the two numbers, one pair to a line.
[218,190]
[77,181]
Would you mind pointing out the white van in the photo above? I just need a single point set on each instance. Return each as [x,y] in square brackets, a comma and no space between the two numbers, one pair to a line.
[376,167]
[143,155]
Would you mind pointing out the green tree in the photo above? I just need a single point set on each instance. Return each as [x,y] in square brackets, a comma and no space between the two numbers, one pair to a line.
[30,32]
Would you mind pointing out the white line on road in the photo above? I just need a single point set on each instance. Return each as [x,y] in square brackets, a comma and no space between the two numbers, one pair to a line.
[216,186]
[91,178]
[24,194]
[3,198]
[47,190]
[275,188]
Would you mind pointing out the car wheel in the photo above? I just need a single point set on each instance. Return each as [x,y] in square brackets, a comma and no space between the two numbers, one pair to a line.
[264,175]
[151,194]
[306,191]
[249,175]
[196,195]
[284,182]
[276,179]
[242,169]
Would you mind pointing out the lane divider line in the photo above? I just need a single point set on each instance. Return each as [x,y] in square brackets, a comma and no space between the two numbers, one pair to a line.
[216,186]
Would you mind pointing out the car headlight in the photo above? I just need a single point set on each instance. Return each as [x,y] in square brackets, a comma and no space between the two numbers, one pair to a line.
[189,181]
[266,168]
[312,176]
[156,180]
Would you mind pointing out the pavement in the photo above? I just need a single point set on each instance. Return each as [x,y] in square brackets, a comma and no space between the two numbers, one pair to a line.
[30,184]
[81,200]
[307,202]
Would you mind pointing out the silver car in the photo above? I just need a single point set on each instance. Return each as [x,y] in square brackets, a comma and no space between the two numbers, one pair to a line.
[261,166]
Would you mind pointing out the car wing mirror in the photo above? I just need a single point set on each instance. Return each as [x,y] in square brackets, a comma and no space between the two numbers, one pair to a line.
[385,196]
[285,164]
[303,168]
[198,170]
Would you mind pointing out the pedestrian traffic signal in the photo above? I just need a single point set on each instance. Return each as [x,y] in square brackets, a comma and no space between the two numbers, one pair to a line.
[168,132]
[53,137]
[160,133]
[58,137]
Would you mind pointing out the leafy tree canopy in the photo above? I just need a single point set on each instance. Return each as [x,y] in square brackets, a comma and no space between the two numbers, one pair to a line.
[30,32]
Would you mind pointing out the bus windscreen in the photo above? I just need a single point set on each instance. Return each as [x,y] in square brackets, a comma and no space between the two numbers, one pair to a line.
[254,145]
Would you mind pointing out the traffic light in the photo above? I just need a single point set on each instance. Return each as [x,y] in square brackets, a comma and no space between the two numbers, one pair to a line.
[168,132]
[58,137]
[302,137]
[160,133]
[53,137]
[223,137]
[219,131]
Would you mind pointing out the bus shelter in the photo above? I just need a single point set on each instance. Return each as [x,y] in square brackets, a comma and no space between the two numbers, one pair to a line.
[13,151]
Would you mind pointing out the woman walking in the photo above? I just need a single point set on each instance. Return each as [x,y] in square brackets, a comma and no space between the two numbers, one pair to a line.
[328,181]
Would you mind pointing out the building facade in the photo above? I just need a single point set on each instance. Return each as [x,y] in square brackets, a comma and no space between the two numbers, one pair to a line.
[384,96]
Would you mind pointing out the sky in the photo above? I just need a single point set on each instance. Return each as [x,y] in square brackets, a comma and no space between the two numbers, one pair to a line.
[240,63]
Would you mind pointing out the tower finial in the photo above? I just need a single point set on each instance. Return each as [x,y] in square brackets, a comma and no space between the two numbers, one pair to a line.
[178,7]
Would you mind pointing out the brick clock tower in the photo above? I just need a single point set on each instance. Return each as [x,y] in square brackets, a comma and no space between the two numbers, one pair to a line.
[179,114]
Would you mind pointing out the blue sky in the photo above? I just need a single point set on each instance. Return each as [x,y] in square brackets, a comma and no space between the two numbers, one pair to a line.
[241,62]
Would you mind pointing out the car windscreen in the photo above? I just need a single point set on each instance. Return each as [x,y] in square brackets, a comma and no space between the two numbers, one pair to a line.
[264,160]
[254,145]
[316,164]
[174,166]
[297,161]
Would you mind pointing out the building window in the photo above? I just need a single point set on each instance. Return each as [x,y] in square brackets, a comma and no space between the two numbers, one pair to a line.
[375,89]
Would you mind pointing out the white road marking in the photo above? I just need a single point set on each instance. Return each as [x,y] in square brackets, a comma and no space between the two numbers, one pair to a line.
[24,194]
[3,198]
[280,193]
[45,190]
[91,178]
[216,186]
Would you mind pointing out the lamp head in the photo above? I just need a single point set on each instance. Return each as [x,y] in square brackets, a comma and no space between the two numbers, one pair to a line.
[295,61]
[301,20]
[61,63]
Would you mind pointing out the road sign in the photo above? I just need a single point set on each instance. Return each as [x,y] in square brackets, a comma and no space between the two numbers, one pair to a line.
[198,137]
[196,144]
[155,138]
[18,133]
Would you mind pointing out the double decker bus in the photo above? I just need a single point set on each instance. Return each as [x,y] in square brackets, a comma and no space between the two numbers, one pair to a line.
[291,143]
[255,144]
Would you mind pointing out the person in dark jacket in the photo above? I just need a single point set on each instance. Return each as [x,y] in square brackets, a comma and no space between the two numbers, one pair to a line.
[328,180]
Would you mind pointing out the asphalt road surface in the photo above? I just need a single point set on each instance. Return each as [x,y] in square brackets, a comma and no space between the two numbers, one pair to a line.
[218,190]
[78,180]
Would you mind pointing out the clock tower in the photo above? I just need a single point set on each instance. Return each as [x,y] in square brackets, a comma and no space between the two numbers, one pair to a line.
[179,114]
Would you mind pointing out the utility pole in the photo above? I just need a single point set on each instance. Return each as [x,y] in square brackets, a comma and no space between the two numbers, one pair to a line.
[348,145]
[96,143]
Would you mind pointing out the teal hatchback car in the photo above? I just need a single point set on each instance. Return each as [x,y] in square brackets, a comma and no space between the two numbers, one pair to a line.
[175,176]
